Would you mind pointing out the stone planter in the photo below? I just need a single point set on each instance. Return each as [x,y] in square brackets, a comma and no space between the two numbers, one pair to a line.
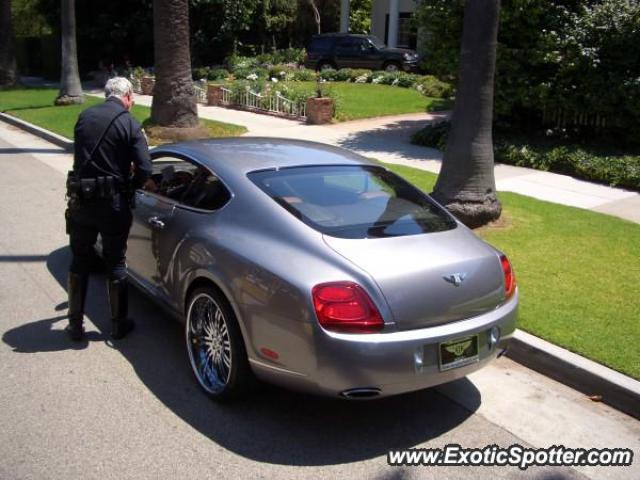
[319,110]
[214,95]
[147,84]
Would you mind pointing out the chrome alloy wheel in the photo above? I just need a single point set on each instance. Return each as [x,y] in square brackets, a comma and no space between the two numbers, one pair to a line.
[208,343]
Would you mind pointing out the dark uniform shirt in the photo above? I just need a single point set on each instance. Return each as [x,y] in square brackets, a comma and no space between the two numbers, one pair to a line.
[123,144]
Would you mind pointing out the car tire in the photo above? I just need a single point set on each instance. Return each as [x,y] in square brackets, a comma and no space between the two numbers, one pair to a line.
[215,346]
[326,66]
[392,67]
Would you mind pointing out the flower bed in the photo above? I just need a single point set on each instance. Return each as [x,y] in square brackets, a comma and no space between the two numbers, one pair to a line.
[286,66]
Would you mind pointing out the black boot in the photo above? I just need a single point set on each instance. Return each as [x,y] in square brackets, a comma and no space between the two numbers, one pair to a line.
[119,302]
[77,289]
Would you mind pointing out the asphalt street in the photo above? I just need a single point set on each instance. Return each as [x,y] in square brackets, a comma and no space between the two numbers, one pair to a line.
[131,409]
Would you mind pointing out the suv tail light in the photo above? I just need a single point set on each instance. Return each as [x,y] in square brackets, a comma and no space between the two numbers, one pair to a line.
[345,307]
[509,277]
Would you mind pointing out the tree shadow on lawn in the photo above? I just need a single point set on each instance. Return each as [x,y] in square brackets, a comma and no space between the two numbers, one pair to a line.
[392,138]
[272,425]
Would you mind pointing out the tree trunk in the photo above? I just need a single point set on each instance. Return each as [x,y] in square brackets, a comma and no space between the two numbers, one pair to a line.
[466,185]
[70,87]
[316,14]
[8,70]
[174,99]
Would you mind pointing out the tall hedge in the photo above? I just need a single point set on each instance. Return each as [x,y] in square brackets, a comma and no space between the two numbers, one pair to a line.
[570,65]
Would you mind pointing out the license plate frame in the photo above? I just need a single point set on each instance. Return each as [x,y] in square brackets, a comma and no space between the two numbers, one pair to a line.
[456,353]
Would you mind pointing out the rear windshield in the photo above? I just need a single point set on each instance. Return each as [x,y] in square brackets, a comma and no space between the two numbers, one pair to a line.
[353,201]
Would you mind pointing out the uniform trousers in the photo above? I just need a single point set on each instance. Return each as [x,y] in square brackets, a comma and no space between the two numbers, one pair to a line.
[111,218]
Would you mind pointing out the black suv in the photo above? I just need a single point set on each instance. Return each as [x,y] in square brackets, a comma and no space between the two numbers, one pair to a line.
[345,50]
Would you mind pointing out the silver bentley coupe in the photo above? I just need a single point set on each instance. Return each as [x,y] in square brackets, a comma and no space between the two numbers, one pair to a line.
[308,266]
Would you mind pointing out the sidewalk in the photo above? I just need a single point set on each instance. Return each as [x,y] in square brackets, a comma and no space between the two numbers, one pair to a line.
[387,139]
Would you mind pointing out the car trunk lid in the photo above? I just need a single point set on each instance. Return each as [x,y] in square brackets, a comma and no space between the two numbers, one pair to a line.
[429,279]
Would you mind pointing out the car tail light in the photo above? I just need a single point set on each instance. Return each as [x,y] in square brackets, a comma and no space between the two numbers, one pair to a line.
[345,307]
[509,277]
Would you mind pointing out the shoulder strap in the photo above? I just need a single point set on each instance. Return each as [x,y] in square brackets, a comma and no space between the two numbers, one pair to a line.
[89,159]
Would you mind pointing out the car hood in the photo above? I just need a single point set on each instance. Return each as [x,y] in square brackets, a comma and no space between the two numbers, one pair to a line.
[417,274]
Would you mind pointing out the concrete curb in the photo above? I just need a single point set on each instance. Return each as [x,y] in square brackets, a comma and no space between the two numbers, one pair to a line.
[591,378]
[54,138]
[617,390]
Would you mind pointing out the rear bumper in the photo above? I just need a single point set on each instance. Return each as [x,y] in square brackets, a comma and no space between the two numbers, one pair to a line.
[393,363]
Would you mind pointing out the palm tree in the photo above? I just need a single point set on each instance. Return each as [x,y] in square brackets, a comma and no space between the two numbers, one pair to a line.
[8,73]
[174,100]
[466,184]
[70,87]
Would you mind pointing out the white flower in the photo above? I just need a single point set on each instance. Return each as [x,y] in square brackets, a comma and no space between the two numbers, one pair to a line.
[252,76]
[274,80]
[376,80]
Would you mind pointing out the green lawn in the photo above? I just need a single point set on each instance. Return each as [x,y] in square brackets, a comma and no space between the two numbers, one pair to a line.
[365,100]
[578,273]
[36,106]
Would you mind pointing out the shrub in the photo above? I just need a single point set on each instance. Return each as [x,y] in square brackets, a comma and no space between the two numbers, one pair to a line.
[433,135]
[430,86]
[217,74]
[138,72]
[304,75]
[615,170]
[245,73]
[235,62]
[200,72]
[289,55]
[281,72]
[621,171]
[329,75]
[359,73]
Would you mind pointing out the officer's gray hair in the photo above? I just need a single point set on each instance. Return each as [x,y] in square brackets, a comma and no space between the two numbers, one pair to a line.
[118,87]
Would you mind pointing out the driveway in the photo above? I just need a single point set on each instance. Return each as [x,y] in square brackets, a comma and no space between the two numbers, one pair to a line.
[132,410]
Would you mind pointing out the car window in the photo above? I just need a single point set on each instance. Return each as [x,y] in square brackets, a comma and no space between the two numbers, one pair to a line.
[350,45]
[376,41]
[172,176]
[353,201]
[206,192]
[321,44]
[188,184]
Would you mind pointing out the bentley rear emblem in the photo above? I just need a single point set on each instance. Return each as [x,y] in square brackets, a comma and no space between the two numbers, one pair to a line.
[455,278]
[459,348]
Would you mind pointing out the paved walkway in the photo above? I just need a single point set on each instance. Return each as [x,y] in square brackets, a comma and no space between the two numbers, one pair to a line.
[387,139]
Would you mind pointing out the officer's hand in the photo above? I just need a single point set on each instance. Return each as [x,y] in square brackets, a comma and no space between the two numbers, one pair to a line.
[150,186]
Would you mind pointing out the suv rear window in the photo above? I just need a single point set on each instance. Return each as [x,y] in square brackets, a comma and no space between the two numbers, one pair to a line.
[321,44]
[353,201]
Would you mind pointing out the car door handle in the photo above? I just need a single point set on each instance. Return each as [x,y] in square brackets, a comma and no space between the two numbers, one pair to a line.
[155,222]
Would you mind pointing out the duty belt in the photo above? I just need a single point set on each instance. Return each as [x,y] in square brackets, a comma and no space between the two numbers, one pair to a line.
[94,188]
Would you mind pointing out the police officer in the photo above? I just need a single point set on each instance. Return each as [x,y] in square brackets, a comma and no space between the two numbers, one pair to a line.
[111,160]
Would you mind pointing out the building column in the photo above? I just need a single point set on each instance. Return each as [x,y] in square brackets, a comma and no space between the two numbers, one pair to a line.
[392,40]
[344,15]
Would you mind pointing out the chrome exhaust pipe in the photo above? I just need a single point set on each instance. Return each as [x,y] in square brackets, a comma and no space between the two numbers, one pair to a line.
[361,393]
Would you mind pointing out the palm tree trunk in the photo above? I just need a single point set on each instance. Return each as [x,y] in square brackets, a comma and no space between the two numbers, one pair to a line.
[466,184]
[70,87]
[8,70]
[174,100]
